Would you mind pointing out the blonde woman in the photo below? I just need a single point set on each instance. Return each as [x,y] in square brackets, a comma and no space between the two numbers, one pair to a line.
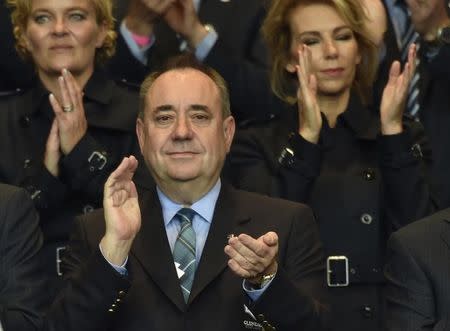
[61,138]
[360,170]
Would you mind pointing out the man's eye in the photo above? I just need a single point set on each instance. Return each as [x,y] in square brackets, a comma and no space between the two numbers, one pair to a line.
[200,117]
[163,119]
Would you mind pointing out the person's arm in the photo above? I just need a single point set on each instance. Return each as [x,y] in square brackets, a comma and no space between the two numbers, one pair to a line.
[405,161]
[22,294]
[94,289]
[296,298]
[409,295]
[402,146]
[294,165]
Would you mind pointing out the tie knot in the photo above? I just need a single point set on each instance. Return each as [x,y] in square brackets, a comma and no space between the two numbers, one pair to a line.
[186,215]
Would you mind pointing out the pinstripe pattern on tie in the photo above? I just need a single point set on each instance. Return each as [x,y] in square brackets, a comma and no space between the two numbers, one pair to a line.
[184,250]
[411,36]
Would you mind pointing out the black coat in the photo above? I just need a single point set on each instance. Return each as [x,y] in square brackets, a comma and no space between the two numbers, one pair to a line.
[360,185]
[25,121]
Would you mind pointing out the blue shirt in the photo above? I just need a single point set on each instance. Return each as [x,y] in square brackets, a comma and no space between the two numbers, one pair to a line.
[201,223]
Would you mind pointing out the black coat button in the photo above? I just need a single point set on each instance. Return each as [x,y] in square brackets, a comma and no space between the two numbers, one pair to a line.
[87,209]
[25,121]
[367,311]
[26,163]
[366,219]
[369,174]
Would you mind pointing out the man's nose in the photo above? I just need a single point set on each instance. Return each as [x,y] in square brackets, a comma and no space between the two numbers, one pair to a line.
[182,129]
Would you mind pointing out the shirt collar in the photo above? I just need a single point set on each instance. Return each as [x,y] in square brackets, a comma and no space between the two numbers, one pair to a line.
[203,207]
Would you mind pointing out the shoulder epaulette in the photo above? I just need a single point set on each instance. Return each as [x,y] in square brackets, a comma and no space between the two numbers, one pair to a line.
[9,93]
[127,84]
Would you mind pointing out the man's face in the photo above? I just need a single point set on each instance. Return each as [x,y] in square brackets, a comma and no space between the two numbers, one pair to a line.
[183,135]
[427,14]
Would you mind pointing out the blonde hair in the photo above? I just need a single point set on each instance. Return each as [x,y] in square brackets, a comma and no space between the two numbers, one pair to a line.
[278,36]
[21,10]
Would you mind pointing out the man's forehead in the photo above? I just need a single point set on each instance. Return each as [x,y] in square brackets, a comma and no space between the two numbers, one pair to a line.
[183,75]
[183,85]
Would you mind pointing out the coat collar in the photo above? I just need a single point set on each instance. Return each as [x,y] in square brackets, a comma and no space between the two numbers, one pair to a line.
[363,121]
[152,249]
[103,105]
[360,119]
[98,89]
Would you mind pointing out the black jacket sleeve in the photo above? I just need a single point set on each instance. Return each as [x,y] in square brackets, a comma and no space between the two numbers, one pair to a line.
[22,283]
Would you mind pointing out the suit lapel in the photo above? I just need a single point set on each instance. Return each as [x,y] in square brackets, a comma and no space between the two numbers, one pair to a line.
[226,220]
[152,249]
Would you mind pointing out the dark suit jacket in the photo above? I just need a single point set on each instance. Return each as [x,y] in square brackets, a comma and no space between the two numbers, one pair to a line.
[150,298]
[22,289]
[418,271]
[239,55]
[435,115]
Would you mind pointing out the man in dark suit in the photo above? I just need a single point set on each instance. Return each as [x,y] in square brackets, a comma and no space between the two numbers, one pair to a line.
[22,288]
[257,262]
[418,271]
[431,20]
[224,34]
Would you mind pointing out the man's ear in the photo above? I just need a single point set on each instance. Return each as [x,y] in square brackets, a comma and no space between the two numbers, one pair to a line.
[229,127]
[140,132]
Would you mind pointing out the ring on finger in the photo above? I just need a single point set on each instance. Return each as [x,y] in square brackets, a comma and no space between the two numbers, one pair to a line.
[68,109]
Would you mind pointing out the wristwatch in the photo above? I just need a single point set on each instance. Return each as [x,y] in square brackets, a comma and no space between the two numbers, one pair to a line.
[443,35]
[263,281]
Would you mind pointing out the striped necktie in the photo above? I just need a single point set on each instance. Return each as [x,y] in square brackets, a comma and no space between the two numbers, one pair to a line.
[411,36]
[184,251]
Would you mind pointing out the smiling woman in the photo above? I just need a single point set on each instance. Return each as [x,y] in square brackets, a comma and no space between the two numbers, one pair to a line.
[352,165]
[74,125]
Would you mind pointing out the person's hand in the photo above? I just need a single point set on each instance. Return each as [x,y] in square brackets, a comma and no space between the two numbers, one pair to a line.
[253,258]
[122,212]
[69,112]
[310,119]
[52,149]
[142,15]
[395,94]
[183,19]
